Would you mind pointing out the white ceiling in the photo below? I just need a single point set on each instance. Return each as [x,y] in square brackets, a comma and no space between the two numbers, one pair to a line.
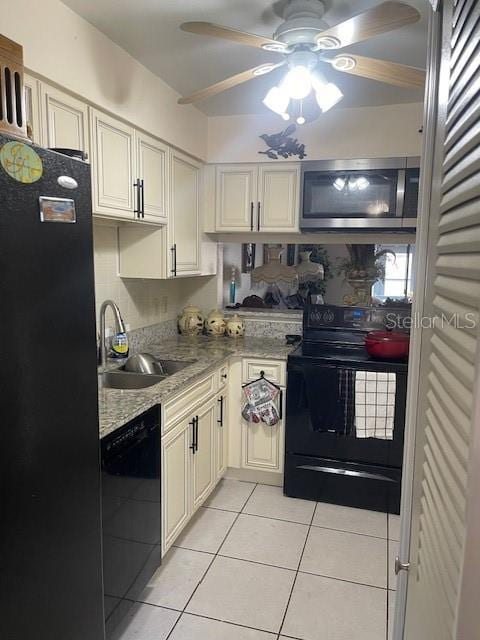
[149,31]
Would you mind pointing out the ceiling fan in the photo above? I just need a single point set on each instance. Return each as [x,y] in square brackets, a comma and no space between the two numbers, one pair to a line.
[306,43]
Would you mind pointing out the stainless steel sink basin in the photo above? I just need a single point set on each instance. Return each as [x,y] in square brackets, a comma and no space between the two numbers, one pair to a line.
[121,379]
[170,367]
[126,380]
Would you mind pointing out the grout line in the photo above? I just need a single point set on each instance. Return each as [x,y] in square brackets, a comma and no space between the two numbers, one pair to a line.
[210,564]
[296,573]
[360,584]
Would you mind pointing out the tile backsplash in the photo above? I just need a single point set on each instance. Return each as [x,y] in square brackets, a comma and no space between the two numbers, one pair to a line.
[143,302]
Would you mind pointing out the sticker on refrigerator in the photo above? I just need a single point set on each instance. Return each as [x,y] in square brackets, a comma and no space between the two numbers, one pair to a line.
[57,209]
[21,162]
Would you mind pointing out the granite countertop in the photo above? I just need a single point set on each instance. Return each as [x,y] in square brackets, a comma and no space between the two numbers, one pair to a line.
[118,406]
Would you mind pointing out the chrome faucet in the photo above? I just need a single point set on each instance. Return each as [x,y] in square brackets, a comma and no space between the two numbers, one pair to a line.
[119,327]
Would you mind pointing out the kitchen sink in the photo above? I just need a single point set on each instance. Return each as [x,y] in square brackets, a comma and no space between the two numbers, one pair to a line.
[117,379]
[121,379]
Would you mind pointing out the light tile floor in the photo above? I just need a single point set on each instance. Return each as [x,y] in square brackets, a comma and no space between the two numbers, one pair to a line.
[256,565]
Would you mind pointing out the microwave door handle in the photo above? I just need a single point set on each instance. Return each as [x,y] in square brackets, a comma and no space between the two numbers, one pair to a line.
[400,193]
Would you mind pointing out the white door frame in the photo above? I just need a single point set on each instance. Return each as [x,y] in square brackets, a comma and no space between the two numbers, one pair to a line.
[421,269]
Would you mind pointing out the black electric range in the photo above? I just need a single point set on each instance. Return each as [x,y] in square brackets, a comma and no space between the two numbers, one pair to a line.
[345,411]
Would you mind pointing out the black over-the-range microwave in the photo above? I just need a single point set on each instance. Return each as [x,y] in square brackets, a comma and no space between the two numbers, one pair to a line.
[360,195]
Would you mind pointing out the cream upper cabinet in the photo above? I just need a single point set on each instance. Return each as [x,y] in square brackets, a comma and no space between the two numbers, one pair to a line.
[257,197]
[203,460]
[175,482]
[65,120]
[113,166]
[279,197]
[236,197]
[32,107]
[152,170]
[184,216]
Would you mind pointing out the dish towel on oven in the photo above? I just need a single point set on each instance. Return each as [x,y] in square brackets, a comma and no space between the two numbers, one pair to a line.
[374,404]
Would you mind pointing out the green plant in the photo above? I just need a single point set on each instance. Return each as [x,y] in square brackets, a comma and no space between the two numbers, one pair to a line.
[364,262]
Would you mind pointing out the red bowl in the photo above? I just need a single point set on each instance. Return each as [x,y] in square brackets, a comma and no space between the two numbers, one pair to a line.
[387,345]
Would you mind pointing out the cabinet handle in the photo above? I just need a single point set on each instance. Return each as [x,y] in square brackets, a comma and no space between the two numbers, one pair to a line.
[142,199]
[220,421]
[138,209]
[251,216]
[224,376]
[193,445]
[196,433]
[280,412]
[258,216]
[174,259]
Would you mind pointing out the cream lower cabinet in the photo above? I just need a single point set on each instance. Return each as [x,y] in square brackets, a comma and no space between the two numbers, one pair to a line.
[257,197]
[193,453]
[251,446]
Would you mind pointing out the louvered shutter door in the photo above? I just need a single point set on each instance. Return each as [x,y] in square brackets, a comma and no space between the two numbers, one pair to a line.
[445,417]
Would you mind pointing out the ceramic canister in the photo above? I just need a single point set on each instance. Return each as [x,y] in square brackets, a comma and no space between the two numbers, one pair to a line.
[235,327]
[215,323]
[190,323]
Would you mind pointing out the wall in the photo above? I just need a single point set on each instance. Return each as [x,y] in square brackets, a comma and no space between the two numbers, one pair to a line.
[367,132]
[66,49]
[144,302]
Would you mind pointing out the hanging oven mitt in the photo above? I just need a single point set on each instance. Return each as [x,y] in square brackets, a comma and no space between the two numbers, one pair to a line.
[260,402]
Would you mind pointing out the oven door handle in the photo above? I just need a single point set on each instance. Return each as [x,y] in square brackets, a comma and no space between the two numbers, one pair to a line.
[347,472]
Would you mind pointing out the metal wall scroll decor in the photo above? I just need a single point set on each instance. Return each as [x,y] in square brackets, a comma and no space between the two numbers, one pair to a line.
[283,145]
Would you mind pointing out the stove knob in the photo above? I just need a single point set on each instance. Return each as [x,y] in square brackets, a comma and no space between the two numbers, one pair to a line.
[328,317]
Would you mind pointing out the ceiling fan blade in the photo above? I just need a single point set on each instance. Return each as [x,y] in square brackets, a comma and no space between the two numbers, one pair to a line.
[228,83]
[241,37]
[380,19]
[381,70]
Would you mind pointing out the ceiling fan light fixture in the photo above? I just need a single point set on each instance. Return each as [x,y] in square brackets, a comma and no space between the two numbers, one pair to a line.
[328,96]
[344,63]
[277,100]
[297,83]
[328,42]
[276,47]
[265,68]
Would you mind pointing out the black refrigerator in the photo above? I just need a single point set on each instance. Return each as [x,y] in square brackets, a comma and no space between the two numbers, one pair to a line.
[50,522]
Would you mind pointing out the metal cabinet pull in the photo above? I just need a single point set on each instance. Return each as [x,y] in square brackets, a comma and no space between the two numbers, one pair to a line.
[258,216]
[196,433]
[138,210]
[142,199]
[193,445]
[251,216]
[401,566]
[220,421]
[174,259]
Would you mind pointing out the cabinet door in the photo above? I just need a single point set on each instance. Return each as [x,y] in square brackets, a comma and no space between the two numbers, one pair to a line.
[278,195]
[184,222]
[262,446]
[113,166]
[32,107]
[221,442]
[176,507]
[152,161]
[65,120]
[203,460]
[236,197]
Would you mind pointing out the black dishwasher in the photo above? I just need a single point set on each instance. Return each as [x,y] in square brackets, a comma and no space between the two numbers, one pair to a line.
[131,519]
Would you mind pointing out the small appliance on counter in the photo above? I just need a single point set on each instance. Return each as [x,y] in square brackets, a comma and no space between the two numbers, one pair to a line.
[345,410]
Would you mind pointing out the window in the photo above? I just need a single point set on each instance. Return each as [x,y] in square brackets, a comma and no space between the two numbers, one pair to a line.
[398,282]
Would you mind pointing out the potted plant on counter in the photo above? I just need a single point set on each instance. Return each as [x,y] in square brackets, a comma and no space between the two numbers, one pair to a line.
[361,270]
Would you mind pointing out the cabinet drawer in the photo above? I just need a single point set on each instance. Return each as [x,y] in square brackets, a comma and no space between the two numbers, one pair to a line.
[184,403]
[274,370]
[222,377]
